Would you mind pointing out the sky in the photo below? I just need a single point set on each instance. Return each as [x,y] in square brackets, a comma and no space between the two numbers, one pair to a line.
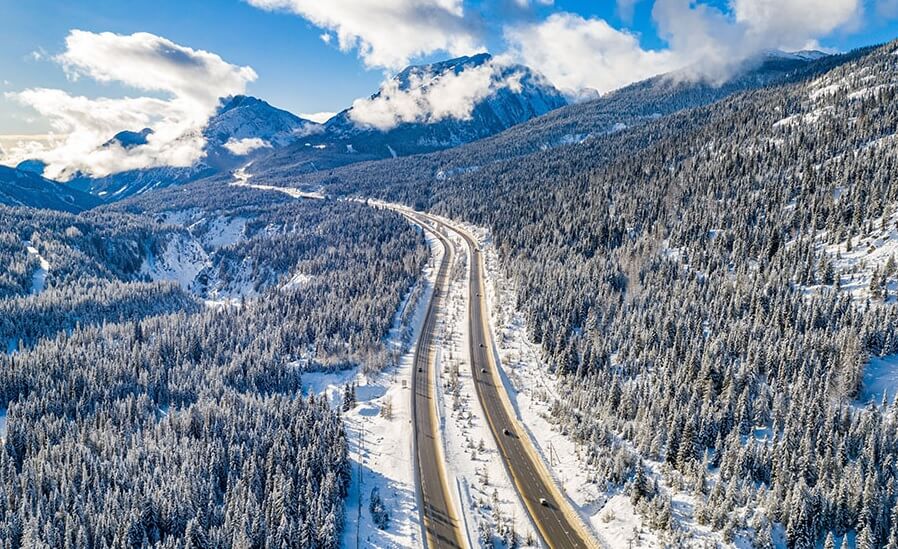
[81,71]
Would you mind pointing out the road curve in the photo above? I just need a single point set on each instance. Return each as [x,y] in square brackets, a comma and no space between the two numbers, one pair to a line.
[557,523]
[435,508]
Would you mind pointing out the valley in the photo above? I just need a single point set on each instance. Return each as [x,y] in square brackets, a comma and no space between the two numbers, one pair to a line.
[476,308]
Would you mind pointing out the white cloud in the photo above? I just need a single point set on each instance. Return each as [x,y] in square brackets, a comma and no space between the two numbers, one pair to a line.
[430,98]
[320,117]
[190,83]
[575,52]
[245,146]
[388,33]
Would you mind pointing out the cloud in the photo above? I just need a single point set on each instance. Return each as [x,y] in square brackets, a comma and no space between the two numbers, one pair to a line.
[626,8]
[319,117]
[430,98]
[388,33]
[245,146]
[188,83]
[576,52]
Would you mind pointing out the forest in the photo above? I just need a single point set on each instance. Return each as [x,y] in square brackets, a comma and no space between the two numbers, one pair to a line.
[688,277]
[138,415]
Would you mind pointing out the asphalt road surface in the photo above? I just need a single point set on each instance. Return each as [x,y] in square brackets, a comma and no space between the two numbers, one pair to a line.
[436,512]
[548,510]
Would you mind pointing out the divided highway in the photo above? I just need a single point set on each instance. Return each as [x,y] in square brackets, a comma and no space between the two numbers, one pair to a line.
[556,521]
[435,509]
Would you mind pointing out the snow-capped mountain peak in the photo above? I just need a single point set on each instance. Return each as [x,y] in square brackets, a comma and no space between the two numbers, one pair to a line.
[244,117]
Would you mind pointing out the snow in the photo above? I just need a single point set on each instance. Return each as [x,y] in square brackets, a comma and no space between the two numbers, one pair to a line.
[242,177]
[880,380]
[381,448]
[869,252]
[819,93]
[225,232]
[298,281]
[182,259]
[2,423]
[474,465]
[39,278]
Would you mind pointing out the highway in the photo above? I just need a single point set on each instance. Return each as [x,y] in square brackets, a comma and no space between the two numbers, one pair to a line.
[557,523]
[436,512]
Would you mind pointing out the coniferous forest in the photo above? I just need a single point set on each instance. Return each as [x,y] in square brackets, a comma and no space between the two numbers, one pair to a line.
[138,416]
[708,267]
[690,277]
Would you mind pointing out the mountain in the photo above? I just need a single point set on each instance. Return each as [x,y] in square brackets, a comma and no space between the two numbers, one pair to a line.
[128,139]
[24,188]
[577,123]
[242,128]
[245,117]
[504,108]
[802,55]
[345,140]
[246,128]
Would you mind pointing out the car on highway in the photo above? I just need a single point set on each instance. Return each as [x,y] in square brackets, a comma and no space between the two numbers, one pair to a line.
[543,502]
[420,369]
[483,370]
[506,432]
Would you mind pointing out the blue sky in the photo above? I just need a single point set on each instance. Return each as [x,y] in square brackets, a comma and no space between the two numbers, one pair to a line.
[309,56]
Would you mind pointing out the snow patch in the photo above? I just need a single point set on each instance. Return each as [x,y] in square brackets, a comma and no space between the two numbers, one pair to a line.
[880,380]
[182,259]
[39,278]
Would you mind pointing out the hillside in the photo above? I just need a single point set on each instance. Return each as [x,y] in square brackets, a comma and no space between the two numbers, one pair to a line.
[692,278]
[587,124]
[23,188]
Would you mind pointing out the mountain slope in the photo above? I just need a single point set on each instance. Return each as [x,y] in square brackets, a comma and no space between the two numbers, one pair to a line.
[587,124]
[517,95]
[242,128]
[692,277]
[21,188]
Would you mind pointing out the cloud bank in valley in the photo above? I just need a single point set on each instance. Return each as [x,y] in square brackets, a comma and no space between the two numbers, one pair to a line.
[187,84]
